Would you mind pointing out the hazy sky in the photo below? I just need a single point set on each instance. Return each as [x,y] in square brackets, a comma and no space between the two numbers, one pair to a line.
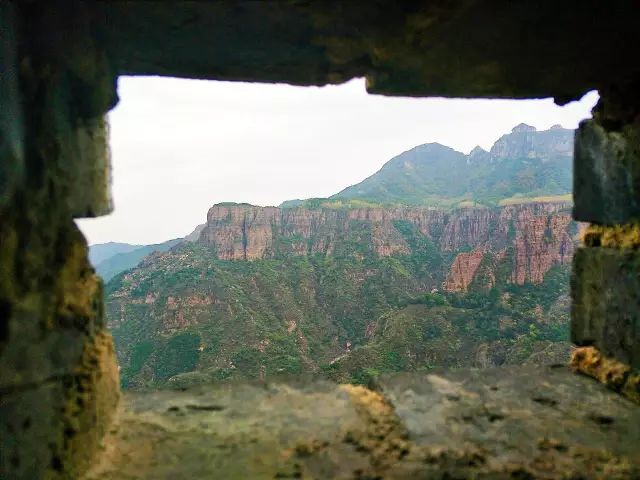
[179,146]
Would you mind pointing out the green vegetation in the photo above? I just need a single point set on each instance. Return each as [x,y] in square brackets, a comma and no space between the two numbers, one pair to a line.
[342,305]
[445,329]
[349,316]
[530,167]
[119,262]
[180,354]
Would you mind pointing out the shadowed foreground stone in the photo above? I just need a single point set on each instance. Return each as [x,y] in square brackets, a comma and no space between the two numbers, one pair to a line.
[521,422]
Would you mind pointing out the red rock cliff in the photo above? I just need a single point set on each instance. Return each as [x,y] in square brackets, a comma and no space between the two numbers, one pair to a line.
[532,237]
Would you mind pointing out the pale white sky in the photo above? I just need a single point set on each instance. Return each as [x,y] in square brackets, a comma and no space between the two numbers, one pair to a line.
[179,146]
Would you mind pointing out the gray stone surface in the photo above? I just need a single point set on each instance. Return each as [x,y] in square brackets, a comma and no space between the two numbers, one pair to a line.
[521,415]
[28,414]
[11,134]
[605,290]
[233,432]
[606,183]
[91,170]
[516,422]
[423,48]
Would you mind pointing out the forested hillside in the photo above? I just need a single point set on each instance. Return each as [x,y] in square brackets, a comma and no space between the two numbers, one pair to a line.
[346,293]
[523,165]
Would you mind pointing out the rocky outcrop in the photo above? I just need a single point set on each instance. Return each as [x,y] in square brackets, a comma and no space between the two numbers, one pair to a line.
[463,270]
[247,232]
[525,141]
[531,237]
[195,235]
[524,163]
[541,242]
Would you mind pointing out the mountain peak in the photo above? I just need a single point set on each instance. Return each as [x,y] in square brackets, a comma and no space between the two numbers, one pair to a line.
[431,147]
[477,150]
[436,175]
[523,127]
[478,154]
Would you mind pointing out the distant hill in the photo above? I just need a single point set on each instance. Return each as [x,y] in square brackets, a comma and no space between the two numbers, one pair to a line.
[102,251]
[120,262]
[524,165]
[111,258]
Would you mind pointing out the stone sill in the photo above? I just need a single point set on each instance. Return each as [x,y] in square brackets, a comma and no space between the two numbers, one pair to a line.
[511,422]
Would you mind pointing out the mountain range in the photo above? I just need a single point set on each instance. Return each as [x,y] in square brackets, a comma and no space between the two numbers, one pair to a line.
[411,269]
[524,165]
[111,258]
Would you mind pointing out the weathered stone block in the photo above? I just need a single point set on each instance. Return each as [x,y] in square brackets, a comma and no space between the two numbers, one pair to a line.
[44,335]
[606,183]
[91,172]
[605,289]
[499,423]
[507,413]
[67,89]
[31,430]
[53,430]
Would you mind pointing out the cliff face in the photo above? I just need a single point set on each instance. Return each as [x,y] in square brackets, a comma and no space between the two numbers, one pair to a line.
[525,141]
[345,292]
[463,270]
[528,238]
[388,275]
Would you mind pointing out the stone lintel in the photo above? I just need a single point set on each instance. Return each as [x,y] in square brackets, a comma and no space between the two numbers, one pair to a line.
[422,48]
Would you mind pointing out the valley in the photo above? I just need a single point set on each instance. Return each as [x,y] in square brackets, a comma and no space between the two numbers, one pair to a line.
[373,280]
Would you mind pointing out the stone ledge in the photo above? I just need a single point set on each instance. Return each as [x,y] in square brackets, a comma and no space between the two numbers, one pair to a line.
[524,422]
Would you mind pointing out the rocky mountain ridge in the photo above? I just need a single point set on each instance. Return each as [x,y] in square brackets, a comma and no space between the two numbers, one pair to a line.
[525,163]
[536,235]
[439,259]
[346,293]
[109,259]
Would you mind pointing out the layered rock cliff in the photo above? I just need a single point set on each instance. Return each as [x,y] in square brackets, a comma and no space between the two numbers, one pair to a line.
[391,274]
[531,238]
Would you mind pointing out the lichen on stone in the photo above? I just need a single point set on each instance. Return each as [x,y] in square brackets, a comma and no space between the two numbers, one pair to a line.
[613,236]
[384,438]
[612,373]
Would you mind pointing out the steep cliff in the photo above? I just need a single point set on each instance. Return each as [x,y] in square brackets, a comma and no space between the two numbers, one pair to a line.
[410,269]
[528,238]
[266,291]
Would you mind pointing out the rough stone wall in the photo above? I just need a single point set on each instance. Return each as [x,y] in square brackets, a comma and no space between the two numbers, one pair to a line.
[58,65]
[461,48]
[58,377]
[606,277]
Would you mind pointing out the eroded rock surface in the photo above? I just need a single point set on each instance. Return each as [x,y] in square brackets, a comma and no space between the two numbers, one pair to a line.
[536,235]
[524,422]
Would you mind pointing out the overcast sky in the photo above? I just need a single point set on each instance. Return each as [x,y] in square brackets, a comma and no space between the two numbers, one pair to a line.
[180,146]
